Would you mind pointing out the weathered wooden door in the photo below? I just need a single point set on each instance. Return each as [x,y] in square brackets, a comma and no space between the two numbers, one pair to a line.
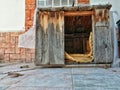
[102,37]
[49,38]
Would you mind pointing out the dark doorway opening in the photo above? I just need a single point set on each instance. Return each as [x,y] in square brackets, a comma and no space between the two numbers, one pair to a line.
[77,36]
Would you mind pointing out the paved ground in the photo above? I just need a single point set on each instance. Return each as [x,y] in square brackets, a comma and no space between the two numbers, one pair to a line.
[59,78]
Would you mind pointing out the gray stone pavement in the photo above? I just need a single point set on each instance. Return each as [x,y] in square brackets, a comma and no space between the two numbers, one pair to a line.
[36,78]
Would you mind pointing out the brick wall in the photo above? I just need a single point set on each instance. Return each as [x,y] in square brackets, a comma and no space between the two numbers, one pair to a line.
[9,51]
[83,1]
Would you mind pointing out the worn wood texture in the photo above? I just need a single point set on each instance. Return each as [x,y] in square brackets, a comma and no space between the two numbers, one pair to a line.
[49,38]
[84,7]
[102,37]
[79,13]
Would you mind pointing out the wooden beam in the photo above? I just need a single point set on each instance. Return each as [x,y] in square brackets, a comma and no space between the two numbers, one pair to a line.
[78,13]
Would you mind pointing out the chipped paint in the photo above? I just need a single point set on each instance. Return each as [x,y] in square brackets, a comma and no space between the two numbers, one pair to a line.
[101,15]
[44,19]
[56,18]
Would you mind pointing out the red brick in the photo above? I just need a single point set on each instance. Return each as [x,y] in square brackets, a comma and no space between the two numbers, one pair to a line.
[30,51]
[7,57]
[1,54]
[23,56]
[22,50]
[28,57]
[14,57]
[7,37]
[12,45]
[2,50]
[16,40]
[9,41]
[10,50]
[17,50]
[14,34]
[33,56]
[29,23]
[30,6]
[28,14]
[2,34]
[30,2]
[2,39]
[12,40]
[32,14]
[21,32]
[5,45]
[83,1]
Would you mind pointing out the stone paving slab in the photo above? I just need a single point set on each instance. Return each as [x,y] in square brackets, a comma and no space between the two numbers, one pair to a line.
[2,76]
[60,78]
[11,80]
[48,78]
[91,79]
[89,70]
[3,87]
[38,88]
[95,88]
[15,67]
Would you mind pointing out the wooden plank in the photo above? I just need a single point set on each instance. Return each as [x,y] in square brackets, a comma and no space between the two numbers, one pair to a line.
[49,38]
[103,51]
[84,7]
[88,66]
[41,45]
[103,45]
[56,38]
[79,13]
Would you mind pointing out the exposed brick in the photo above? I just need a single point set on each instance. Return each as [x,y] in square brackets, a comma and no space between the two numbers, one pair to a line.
[17,50]
[2,39]
[7,57]
[1,54]
[30,6]
[30,2]
[2,34]
[10,50]
[30,51]
[29,23]
[23,56]
[83,1]
[2,50]
[32,13]
[4,45]
[14,34]
[7,37]
[28,57]
[14,56]
[21,32]
[22,50]
[28,15]
[11,45]
[16,40]
[33,55]
[12,39]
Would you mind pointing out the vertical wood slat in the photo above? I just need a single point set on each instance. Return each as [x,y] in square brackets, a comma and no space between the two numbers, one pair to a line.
[50,38]
[102,37]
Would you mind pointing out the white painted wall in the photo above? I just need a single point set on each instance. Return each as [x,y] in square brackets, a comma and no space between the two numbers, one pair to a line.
[12,15]
[115,5]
